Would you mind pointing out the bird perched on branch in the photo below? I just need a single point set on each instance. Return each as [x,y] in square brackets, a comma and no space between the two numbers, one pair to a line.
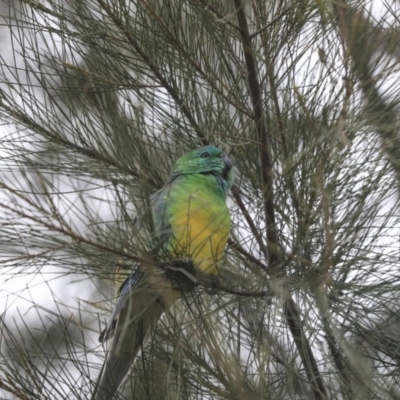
[190,222]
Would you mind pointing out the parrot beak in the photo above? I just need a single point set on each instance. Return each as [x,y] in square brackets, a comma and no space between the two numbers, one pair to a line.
[227,161]
[228,166]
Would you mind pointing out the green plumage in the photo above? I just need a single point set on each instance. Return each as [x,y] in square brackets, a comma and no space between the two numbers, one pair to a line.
[190,221]
[190,214]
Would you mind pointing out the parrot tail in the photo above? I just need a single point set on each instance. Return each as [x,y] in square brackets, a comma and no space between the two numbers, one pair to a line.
[129,331]
[143,298]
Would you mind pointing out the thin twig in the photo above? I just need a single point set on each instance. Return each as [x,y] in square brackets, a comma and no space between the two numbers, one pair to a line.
[262,136]
[274,263]
[255,232]
[248,255]
[158,74]
[272,22]
[209,76]
[293,319]
[55,137]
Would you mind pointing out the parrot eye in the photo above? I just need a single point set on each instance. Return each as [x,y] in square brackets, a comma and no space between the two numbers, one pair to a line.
[205,155]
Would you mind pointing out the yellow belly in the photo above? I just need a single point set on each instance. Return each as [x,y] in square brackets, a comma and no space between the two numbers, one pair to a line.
[200,232]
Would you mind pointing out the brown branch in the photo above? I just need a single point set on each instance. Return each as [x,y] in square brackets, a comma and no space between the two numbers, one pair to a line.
[236,246]
[293,319]
[245,293]
[26,257]
[274,263]
[262,136]
[364,42]
[347,82]
[28,122]
[255,232]
[338,359]
[210,76]
[272,22]
[270,65]
[117,20]
[142,260]
[78,238]
[16,392]
[219,17]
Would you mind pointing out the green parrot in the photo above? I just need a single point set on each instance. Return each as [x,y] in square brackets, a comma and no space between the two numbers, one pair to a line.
[190,223]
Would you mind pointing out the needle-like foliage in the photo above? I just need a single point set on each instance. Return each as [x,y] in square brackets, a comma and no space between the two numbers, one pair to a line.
[98,98]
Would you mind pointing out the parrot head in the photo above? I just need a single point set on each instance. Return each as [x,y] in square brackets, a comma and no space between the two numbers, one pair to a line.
[207,160]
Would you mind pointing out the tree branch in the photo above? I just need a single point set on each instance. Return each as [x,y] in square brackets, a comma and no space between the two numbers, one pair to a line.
[262,136]
[274,263]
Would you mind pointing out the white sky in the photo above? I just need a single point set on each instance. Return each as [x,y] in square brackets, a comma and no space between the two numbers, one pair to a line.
[31,287]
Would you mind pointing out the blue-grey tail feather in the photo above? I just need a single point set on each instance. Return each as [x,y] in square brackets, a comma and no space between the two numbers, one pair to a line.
[114,370]
[125,291]
[137,317]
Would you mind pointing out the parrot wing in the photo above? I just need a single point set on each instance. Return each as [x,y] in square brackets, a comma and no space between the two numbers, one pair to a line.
[141,302]
[123,297]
